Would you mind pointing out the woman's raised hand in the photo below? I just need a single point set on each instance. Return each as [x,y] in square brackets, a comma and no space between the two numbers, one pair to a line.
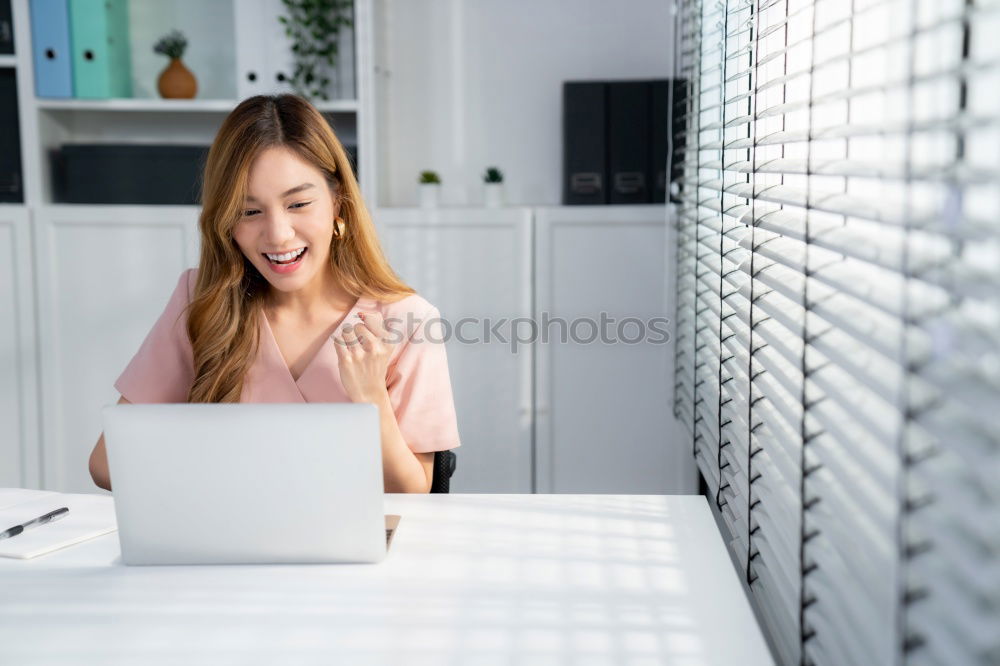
[363,351]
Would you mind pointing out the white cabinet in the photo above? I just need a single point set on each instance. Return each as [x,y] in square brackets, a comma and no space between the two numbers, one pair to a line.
[475,266]
[556,415]
[104,276]
[602,406]
[535,416]
[19,447]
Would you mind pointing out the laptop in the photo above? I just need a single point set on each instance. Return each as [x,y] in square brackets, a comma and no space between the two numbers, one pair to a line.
[247,483]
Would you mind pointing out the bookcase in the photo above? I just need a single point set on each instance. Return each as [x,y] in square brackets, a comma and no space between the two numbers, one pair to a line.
[234,52]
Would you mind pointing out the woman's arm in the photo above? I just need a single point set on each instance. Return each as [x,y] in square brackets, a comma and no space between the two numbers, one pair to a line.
[99,460]
[403,471]
[363,357]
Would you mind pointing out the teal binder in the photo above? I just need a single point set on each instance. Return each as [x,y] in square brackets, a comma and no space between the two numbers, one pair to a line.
[102,61]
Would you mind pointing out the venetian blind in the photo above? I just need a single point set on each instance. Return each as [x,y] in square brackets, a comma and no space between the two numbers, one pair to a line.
[838,316]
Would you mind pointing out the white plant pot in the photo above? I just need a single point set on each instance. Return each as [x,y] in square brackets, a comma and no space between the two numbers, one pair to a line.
[493,194]
[430,194]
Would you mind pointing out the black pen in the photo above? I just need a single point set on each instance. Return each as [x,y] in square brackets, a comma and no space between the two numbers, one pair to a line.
[35,522]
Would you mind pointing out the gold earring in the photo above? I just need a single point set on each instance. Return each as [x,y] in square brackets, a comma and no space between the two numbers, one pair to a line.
[338,227]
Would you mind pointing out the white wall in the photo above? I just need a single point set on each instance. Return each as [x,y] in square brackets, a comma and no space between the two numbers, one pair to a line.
[466,84]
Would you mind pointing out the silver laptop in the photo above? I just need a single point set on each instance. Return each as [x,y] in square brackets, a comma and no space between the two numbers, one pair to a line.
[247,483]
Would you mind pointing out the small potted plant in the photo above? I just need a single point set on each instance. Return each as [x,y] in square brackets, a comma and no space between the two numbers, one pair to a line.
[493,187]
[176,81]
[430,189]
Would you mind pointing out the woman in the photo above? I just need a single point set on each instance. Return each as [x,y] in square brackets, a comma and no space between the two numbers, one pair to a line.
[293,300]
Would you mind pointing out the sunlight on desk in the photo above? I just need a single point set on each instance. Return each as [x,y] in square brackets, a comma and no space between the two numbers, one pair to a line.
[470,579]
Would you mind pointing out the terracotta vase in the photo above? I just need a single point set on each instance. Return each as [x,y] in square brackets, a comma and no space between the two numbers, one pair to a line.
[177,81]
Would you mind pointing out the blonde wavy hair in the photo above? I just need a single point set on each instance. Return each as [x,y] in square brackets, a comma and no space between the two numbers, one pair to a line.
[229,293]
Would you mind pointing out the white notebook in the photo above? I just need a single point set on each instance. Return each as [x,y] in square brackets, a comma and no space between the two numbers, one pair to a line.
[89,516]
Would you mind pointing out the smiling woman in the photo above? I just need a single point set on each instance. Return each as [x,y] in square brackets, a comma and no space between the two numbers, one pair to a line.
[293,300]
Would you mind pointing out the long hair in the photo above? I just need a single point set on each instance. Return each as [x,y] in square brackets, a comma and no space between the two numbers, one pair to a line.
[229,293]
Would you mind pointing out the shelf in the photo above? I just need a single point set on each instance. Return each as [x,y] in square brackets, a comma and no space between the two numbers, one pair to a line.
[229,40]
[169,105]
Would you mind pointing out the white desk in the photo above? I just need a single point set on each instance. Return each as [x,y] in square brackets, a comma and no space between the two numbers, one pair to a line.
[469,579]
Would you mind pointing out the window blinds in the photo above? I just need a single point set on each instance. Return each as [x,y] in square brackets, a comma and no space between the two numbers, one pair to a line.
[838,316]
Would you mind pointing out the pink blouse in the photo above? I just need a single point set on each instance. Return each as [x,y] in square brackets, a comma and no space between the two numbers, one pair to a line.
[162,371]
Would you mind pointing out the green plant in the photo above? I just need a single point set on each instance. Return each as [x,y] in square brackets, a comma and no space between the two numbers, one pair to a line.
[427,177]
[493,175]
[314,28]
[172,44]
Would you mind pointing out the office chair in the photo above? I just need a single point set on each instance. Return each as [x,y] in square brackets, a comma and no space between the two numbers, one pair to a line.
[444,467]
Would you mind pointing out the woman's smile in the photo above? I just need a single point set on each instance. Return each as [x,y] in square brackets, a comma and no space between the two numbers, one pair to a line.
[285,262]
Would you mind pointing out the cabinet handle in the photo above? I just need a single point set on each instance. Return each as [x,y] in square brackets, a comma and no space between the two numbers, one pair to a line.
[281,76]
[88,55]
[50,54]
[251,76]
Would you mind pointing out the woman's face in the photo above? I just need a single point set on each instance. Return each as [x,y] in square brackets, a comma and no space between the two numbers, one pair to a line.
[287,222]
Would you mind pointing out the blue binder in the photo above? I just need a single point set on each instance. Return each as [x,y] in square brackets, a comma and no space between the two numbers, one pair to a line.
[51,48]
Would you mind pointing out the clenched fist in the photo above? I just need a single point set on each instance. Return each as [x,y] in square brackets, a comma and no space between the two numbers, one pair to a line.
[363,351]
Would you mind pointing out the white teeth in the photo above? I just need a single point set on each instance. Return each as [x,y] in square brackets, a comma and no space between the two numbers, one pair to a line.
[286,256]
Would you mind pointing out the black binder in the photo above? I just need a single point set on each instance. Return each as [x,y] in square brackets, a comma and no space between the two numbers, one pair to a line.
[584,143]
[678,125]
[659,132]
[11,184]
[664,121]
[628,142]
[6,28]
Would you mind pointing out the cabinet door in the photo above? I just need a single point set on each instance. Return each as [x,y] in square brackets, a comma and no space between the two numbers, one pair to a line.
[18,374]
[104,276]
[474,265]
[603,417]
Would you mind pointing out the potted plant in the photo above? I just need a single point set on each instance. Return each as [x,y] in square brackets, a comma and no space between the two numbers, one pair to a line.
[176,81]
[493,186]
[430,189]
[313,26]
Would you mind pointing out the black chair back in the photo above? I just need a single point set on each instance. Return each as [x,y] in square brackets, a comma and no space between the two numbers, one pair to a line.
[444,467]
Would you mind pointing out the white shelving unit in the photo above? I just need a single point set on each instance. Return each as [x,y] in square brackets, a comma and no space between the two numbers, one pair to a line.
[234,51]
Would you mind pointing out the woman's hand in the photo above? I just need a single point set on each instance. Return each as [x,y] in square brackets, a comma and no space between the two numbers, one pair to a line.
[363,351]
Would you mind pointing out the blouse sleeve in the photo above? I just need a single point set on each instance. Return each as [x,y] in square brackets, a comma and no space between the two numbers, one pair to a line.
[162,371]
[420,389]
